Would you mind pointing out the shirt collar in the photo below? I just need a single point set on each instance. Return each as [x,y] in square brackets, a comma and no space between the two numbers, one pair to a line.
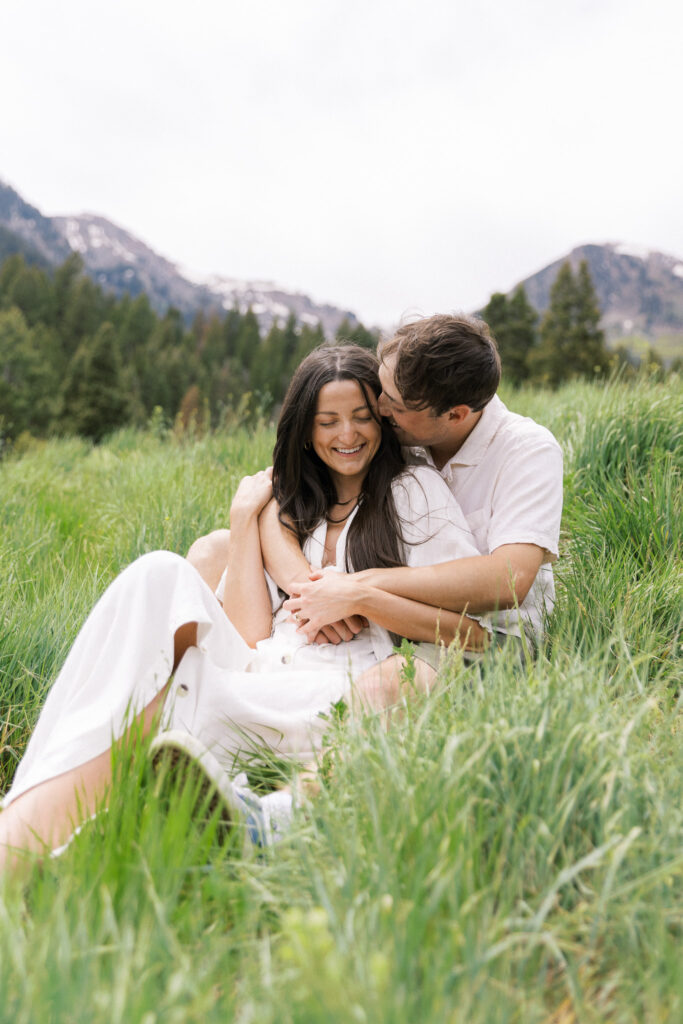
[474,447]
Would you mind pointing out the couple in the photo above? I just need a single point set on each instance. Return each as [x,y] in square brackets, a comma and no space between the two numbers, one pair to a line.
[418,562]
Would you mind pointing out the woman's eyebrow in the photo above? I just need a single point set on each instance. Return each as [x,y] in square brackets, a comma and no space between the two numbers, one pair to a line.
[334,412]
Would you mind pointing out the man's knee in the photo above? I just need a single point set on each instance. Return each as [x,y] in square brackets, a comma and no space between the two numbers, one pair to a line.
[209,556]
[384,684]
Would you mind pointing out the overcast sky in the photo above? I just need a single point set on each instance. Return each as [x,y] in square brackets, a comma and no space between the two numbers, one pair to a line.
[388,157]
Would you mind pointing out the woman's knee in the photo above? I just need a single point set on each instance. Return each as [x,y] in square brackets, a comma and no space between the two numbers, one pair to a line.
[209,556]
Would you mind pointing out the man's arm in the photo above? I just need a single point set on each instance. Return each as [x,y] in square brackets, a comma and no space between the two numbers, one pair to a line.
[476,585]
[318,599]
[482,583]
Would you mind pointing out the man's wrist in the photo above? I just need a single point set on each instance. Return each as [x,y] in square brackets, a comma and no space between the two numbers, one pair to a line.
[367,577]
[362,594]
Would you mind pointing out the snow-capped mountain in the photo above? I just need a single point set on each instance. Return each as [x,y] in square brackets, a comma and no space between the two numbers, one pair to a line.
[120,263]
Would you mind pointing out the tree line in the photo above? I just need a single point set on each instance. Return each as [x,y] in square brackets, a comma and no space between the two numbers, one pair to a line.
[75,359]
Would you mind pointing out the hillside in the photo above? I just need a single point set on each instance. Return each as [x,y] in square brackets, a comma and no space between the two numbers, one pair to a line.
[121,263]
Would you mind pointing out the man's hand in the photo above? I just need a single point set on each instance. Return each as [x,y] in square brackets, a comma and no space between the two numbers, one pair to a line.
[325,601]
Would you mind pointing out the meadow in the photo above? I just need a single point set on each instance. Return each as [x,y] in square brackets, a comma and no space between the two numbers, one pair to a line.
[509,850]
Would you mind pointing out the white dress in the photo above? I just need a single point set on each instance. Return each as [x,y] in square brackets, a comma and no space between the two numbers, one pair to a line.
[229,695]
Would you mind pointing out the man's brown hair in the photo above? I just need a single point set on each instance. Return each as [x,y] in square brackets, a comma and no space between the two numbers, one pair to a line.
[443,361]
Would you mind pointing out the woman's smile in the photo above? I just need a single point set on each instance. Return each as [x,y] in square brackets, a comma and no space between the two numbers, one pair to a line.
[350,451]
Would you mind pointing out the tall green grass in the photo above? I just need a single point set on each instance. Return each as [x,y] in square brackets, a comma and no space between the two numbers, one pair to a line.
[509,851]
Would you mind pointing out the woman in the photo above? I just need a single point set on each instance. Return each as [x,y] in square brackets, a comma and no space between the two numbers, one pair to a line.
[158,643]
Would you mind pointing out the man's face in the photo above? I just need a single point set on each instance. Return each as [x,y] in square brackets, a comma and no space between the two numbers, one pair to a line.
[412,426]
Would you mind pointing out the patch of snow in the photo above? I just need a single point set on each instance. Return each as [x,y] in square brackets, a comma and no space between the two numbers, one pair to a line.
[95,236]
[74,236]
[308,318]
[639,251]
[99,239]
[218,282]
[280,310]
[678,270]
[193,276]
[121,250]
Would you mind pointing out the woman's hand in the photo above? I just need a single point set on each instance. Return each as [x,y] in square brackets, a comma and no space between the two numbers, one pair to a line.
[253,494]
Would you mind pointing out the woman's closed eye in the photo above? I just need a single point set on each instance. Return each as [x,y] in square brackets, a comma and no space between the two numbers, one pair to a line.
[334,423]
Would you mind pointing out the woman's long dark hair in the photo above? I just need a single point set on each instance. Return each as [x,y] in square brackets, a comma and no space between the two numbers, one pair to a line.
[302,484]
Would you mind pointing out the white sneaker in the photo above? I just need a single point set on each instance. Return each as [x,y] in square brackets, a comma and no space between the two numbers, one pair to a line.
[179,753]
[267,819]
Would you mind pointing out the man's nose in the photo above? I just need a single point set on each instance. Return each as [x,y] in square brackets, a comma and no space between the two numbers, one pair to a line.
[384,407]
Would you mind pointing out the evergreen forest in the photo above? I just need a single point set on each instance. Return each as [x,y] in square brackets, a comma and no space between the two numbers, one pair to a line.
[75,360]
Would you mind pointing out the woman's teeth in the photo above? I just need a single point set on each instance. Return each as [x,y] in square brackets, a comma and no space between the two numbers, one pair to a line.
[349,451]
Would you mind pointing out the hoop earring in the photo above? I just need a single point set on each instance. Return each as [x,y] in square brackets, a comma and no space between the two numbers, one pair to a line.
[307,446]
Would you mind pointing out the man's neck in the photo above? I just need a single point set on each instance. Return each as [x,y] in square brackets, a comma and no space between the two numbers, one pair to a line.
[444,451]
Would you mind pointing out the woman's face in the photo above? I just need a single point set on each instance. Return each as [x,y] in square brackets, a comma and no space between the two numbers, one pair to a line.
[345,433]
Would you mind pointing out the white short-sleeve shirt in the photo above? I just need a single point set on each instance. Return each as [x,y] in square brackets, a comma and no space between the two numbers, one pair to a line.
[507,479]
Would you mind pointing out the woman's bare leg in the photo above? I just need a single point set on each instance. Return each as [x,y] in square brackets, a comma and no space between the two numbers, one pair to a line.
[46,815]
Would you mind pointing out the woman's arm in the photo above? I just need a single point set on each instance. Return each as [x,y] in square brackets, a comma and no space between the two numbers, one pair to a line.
[285,562]
[246,600]
[282,555]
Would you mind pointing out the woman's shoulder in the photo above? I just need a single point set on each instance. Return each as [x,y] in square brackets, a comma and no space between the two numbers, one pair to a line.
[420,479]
[420,490]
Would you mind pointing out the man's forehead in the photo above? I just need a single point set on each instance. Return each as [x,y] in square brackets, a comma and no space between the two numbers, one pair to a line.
[387,365]
[386,376]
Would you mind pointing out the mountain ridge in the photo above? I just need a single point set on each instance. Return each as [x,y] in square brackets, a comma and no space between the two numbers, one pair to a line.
[120,262]
[639,290]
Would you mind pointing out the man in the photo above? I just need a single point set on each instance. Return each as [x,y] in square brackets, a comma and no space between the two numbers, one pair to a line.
[439,378]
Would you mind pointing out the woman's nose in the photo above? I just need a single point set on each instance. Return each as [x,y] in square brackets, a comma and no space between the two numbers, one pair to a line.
[347,431]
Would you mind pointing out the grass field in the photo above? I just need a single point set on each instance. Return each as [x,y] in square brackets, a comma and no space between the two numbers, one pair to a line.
[510,851]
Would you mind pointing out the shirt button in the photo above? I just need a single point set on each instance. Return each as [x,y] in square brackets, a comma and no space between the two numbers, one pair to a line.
[286,659]
[183,690]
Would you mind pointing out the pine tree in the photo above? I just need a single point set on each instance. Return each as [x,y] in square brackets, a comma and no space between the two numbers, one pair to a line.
[248,341]
[513,324]
[572,343]
[356,334]
[26,375]
[591,354]
[94,396]
[30,291]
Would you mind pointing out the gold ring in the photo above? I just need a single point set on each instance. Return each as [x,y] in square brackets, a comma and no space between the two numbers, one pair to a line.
[297,617]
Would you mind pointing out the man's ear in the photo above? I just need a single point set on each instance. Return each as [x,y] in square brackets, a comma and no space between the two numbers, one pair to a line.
[458,413]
